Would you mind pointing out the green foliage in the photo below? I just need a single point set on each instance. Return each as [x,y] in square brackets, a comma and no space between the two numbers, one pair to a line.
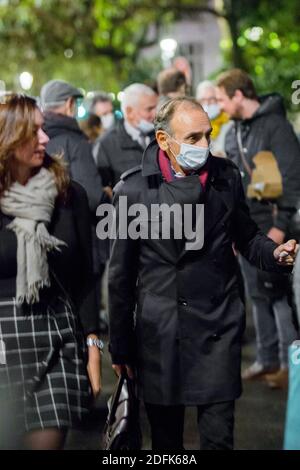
[96,43]
[269,40]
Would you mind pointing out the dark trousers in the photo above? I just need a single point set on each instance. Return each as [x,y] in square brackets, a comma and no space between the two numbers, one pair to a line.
[215,422]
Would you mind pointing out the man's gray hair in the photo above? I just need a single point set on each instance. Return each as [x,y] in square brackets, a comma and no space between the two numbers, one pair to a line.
[166,112]
[203,86]
[132,94]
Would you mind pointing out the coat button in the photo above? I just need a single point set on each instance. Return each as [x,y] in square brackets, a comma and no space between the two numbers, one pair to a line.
[182,302]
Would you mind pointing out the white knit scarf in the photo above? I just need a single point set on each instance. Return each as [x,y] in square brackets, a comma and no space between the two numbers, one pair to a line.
[32,206]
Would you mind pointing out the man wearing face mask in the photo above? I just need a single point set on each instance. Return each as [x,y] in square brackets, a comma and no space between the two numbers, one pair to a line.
[176,318]
[58,100]
[102,106]
[206,95]
[122,147]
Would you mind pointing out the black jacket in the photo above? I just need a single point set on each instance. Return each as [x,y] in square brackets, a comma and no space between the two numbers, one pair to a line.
[117,153]
[66,137]
[185,335]
[269,129]
[72,265]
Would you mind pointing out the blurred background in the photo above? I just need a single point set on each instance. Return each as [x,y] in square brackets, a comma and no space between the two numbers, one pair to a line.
[109,44]
[104,44]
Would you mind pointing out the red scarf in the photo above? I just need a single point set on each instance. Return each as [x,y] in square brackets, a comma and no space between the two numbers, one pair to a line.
[168,172]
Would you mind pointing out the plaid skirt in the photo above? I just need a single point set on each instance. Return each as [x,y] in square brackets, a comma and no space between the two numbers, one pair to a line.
[43,375]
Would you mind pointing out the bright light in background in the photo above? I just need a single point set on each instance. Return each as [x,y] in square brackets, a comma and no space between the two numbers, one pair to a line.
[254,34]
[112,96]
[120,95]
[68,53]
[81,112]
[168,47]
[90,95]
[26,80]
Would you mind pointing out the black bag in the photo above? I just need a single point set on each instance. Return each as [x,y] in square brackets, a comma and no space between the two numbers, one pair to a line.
[122,429]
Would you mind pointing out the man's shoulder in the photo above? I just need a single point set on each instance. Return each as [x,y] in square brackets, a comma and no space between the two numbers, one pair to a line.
[111,134]
[223,163]
[130,180]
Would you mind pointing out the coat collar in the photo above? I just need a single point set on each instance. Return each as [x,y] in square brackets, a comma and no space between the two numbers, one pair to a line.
[126,140]
[218,194]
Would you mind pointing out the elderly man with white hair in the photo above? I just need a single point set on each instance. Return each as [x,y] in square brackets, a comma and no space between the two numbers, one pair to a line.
[122,147]
[206,96]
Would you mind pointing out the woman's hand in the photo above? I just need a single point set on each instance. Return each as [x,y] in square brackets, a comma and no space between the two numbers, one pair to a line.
[94,368]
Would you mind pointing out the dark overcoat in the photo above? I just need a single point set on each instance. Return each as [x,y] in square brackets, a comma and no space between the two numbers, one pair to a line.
[175,313]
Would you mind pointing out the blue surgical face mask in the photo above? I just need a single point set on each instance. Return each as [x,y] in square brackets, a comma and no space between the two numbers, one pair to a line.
[145,126]
[212,110]
[191,157]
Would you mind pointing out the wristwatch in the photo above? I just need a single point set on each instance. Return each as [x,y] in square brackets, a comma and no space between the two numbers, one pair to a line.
[95,342]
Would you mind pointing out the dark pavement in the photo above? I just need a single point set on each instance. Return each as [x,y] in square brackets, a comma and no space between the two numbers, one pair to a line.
[260,414]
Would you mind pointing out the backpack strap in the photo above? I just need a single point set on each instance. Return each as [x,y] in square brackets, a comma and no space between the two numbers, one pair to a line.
[241,149]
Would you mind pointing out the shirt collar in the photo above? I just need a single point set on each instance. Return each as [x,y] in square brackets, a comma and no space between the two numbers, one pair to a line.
[132,131]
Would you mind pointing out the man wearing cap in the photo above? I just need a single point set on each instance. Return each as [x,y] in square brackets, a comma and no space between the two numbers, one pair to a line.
[58,100]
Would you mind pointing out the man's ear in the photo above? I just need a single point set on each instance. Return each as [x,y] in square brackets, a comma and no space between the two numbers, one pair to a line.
[128,112]
[238,95]
[161,138]
[70,106]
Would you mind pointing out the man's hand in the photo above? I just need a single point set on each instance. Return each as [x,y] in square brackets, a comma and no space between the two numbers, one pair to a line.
[118,368]
[285,254]
[276,235]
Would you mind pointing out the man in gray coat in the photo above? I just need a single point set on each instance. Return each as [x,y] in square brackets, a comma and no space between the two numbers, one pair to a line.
[122,146]
[58,99]
[176,318]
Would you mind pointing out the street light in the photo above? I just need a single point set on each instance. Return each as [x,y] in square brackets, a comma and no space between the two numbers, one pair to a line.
[168,47]
[26,80]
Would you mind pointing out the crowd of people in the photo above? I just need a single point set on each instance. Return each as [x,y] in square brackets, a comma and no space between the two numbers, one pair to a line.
[176,317]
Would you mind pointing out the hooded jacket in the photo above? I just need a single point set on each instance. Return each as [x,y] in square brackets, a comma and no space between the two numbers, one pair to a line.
[269,129]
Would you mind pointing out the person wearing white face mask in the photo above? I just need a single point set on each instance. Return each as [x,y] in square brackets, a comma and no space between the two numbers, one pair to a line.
[122,146]
[102,106]
[206,96]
